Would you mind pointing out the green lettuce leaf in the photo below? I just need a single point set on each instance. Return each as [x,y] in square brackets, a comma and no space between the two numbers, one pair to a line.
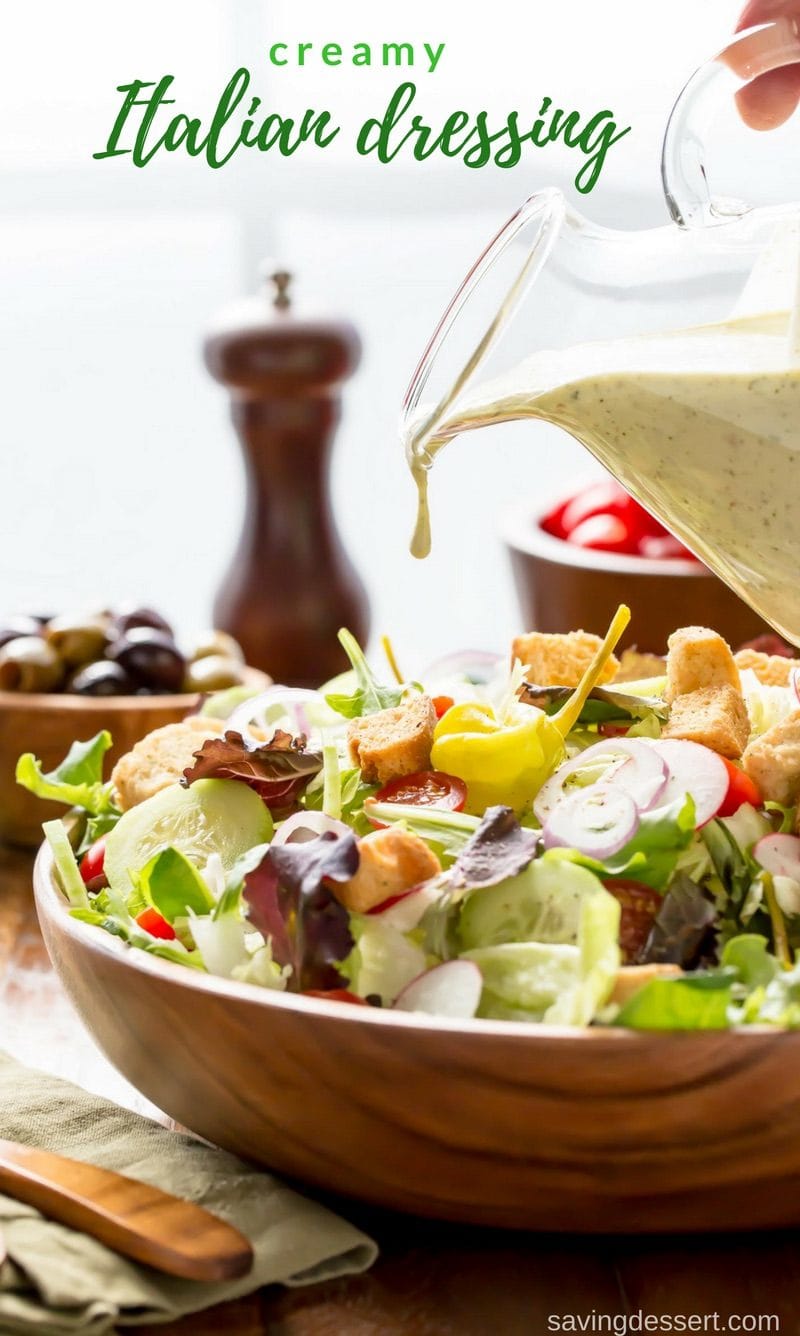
[383,959]
[173,885]
[693,1002]
[77,781]
[546,942]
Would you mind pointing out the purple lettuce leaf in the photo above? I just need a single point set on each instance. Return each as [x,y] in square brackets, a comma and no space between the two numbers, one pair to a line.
[288,900]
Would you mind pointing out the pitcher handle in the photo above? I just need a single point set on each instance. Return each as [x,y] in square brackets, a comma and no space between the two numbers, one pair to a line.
[684,174]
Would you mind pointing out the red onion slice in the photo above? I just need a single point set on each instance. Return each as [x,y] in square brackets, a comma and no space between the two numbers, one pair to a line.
[694,769]
[796,684]
[301,827]
[638,771]
[250,712]
[597,821]
[779,854]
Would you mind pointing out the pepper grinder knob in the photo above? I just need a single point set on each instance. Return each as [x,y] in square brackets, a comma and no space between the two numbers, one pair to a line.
[278,282]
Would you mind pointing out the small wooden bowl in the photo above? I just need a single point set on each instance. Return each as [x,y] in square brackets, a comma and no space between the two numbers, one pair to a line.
[561,587]
[47,725]
[592,1131]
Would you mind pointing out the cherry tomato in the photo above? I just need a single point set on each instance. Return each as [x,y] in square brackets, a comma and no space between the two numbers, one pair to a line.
[392,900]
[442,704]
[608,498]
[156,924]
[663,547]
[741,789]
[639,905]
[770,644]
[606,729]
[93,860]
[553,521]
[336,995]
[604,533]
[427,788]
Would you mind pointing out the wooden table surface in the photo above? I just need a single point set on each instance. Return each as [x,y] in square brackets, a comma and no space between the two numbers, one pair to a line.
[431,1279]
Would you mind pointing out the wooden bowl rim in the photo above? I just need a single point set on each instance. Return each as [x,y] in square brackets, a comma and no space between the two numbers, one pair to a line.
[51,905]
[67,702]
[521,531]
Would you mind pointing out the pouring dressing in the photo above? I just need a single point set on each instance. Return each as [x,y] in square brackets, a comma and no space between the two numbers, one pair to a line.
[698,415]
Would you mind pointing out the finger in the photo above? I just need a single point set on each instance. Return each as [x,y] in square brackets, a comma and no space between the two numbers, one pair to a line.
[763,11]
[769,101]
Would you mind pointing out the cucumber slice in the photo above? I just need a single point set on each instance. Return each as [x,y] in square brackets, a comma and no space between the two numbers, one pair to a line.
[212,816]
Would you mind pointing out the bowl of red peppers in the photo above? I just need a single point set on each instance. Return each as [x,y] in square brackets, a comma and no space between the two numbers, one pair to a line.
[575,560]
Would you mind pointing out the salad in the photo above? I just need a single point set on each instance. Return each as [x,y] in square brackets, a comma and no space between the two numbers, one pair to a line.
[534,838]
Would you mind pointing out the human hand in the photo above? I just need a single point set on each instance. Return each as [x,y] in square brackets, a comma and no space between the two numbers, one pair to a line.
[770,99]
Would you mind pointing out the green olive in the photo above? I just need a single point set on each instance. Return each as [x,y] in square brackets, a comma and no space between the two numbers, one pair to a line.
[216,643]
[77,640]
[213,673]
[29,664]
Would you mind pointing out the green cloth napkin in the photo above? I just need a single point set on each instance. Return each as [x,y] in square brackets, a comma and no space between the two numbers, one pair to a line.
[57,1281]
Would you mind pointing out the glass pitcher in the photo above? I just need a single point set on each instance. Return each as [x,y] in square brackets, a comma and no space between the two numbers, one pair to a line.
[694,404]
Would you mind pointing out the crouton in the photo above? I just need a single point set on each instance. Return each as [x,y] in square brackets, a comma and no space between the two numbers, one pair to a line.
[560,660]
[716,717]
[698,658]
[393,742]
[391,861]
[160,759]
[772,670]
[636,667]
[633,977]
[773,761]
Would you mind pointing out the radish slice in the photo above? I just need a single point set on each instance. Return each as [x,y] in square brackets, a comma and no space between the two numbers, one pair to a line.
[452,989]
[476,664]
[694,769]
[253,711]
[405,911]
[633,766]
[779,854]
[301,827]
[597,821]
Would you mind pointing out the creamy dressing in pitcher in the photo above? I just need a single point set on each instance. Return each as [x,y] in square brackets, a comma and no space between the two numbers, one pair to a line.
[701,425]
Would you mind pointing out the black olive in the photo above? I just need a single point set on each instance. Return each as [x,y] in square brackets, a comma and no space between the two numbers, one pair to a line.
[129,618]
[150,657]
[102,679]
[14,627]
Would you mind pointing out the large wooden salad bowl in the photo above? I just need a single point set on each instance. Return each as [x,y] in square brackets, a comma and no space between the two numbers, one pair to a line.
[489,1122]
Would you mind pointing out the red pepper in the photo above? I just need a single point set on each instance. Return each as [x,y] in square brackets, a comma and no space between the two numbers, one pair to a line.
[156,924]
[442,704]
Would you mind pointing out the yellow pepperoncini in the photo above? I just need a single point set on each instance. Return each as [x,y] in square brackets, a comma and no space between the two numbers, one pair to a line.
[505,757]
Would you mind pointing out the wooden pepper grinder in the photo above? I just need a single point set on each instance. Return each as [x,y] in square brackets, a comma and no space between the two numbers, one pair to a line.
[291,585]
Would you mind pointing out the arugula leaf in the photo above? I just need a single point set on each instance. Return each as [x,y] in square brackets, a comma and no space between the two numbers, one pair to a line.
[693,1002]
[289,903]
[370,696]
[77,781]
[278,770]
[602,705]
[173,885]
[683,926]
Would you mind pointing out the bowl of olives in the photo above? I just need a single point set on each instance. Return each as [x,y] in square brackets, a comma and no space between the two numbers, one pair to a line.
[71,675]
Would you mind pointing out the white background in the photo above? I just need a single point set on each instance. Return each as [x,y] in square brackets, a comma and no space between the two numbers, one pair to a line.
[121,475]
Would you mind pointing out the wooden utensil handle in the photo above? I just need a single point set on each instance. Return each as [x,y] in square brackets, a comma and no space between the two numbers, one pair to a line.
[131,1217]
